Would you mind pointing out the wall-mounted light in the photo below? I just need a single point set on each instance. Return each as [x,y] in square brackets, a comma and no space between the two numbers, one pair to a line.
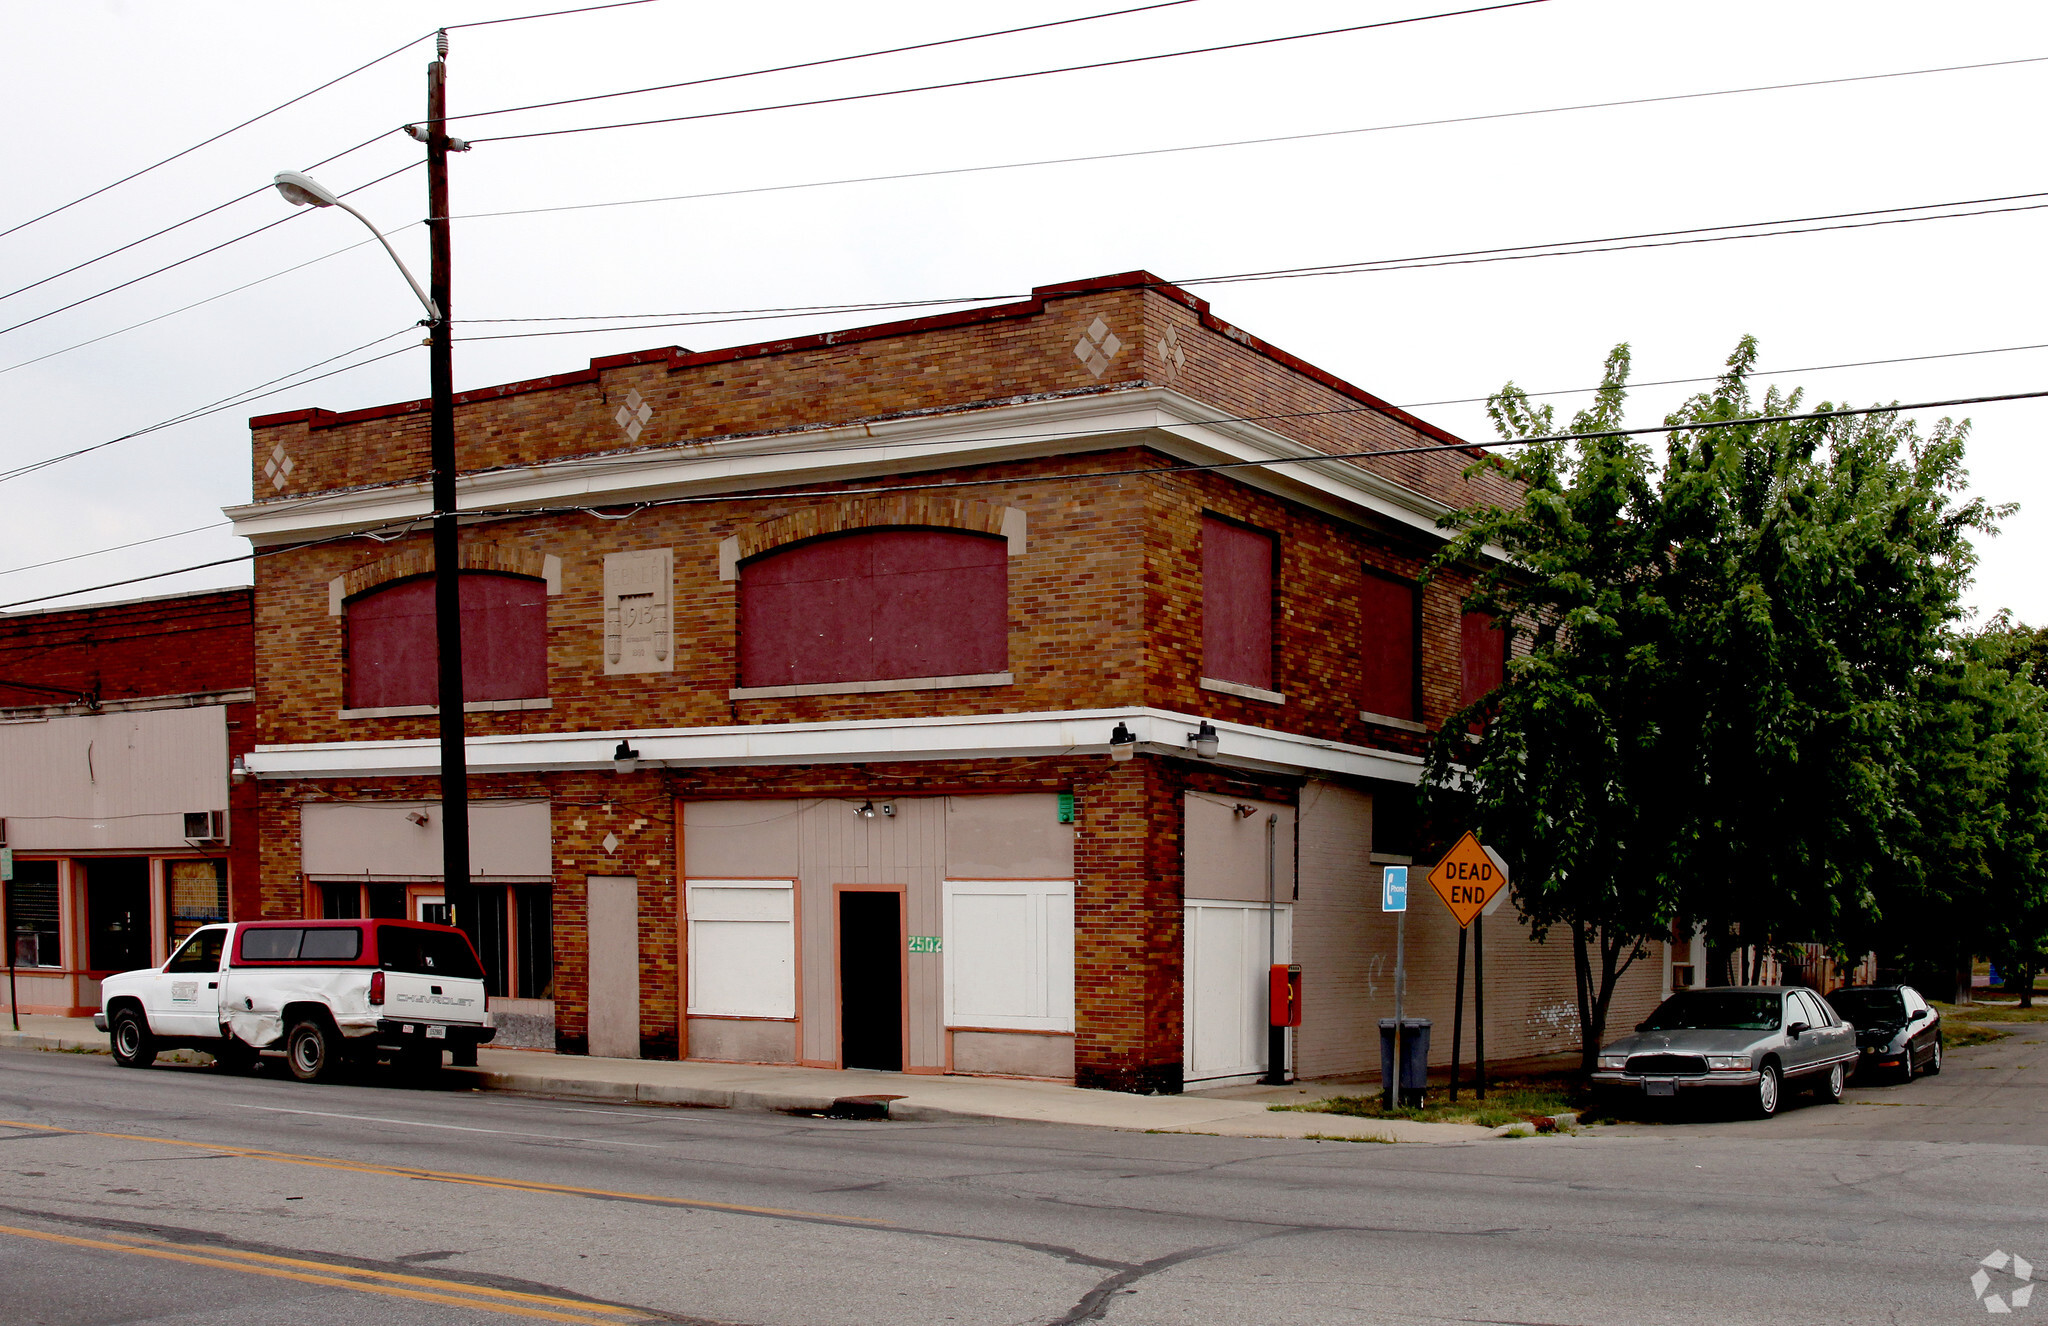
[1242,811]
[625,759]
[239,770]
[1203,739]
[865,810]
[1123,743]
[417,818]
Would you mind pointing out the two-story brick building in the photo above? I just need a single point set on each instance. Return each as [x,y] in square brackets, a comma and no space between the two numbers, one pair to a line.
[118,725]
[912,633]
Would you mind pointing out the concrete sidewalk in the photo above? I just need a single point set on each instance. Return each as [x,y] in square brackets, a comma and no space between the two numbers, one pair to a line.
[1239,1112]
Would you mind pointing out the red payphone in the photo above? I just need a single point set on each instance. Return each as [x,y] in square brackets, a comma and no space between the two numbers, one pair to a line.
[1283,994]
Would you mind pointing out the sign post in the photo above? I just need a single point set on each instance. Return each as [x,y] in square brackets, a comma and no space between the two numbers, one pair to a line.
[1472,880]
[1394,898]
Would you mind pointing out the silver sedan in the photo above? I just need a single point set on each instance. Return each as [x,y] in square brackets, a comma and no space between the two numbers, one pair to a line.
[1747,1042]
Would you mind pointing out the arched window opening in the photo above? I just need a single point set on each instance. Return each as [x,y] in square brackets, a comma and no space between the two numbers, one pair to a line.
[392,658]
[874,605]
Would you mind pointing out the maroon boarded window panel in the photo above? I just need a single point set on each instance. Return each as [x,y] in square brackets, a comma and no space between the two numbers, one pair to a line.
[392,658]
[1237,604]
[1388,645]
[1482,657]
[876,605]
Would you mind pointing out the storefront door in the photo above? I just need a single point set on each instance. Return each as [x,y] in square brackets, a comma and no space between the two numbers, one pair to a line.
[871,979]
[117,913]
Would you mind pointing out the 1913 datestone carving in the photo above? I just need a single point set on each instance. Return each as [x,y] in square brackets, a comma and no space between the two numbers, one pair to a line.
[639,618]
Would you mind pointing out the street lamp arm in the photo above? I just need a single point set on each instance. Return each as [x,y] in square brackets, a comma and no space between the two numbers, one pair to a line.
[432,312]
[301,190]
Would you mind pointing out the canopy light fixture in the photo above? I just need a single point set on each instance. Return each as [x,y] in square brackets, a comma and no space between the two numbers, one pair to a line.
[1204,740]
[625,759]
[865,810]
[1123,743]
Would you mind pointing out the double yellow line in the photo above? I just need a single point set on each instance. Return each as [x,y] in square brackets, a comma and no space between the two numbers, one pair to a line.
[445,1176]
[389,1284]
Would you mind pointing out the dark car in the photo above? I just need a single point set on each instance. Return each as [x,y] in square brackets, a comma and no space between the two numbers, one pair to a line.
[1742,1042]
[1898,1033]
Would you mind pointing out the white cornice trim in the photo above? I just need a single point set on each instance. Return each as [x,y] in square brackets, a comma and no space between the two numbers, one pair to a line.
[976,737]
[1161,417]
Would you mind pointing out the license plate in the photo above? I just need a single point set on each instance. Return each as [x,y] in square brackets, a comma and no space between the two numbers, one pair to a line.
[441,1034]
[1660,1087]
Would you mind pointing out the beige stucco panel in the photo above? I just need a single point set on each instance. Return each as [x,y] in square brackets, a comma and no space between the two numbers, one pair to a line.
[743,1041]
[741,840]
[1008,837]
[112,780]
[1013,1054]
[506,838]
[1226,851]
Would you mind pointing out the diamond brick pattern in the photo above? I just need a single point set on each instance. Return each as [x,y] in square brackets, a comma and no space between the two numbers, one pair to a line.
[1097,346]
[634,414]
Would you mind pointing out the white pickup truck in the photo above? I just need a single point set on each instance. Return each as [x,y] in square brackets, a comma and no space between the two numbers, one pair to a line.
[327,993]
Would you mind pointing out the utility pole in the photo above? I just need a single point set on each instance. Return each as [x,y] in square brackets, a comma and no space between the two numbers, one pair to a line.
[460,895]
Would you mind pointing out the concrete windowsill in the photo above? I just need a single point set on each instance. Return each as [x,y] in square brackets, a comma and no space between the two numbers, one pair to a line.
[870,687]
[1388,720]
[1248,692]
[424,710]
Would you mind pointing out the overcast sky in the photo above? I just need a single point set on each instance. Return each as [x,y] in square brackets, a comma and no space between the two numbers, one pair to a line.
[93,90]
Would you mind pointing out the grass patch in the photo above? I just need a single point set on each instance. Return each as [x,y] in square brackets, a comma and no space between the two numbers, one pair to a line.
[1368,1137]
[1503,1105]
[1994,1012]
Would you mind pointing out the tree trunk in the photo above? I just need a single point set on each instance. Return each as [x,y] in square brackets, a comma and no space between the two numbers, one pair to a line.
[2027,974]
[1590,1025]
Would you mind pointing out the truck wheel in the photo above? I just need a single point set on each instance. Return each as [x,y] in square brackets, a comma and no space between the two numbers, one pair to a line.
[312,1050]
[130,1040]
[1768,1089]
[233,1056]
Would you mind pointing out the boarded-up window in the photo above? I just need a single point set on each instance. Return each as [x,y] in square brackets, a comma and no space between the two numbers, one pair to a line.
[1482,658]
[392,655]
[742,947]
[1009,950]
[1388,646]
[1237,604]
[32,927]
[876,605]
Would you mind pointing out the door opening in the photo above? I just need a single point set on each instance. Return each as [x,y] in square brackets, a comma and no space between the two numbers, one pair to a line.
[871,980]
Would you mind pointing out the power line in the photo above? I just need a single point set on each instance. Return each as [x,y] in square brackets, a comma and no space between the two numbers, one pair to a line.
[290,216]
[207,141]
[1247,142]
[815,64]
[229,402]
[119,547]
[783,495]
[1011,78]
[1546,249]
[235,290]
[552,13]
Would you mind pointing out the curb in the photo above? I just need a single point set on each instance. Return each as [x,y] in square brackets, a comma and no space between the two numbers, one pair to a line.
[28,1040]
[707,1098]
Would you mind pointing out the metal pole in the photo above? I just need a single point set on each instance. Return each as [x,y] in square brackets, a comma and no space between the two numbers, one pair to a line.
[1276,1035]
[13,1000]
[461,897]
[1479,1005]
[1458,1015]
[1393,1092]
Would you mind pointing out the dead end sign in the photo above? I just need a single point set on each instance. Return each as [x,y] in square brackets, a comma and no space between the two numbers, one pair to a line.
[1468,878]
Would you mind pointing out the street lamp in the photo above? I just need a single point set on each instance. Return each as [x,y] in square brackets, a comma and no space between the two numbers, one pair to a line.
[305,191]
[302,191]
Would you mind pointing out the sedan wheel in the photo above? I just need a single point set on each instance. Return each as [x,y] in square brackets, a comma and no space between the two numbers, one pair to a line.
[1831,1087]
[1934,1060]
[1766,1102]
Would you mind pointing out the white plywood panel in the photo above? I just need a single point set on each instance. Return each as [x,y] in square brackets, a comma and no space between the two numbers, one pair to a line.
[742,958]
[1224,993]
[1009,954]
[112,780]
[1226,849]
[613,910]
[507,839]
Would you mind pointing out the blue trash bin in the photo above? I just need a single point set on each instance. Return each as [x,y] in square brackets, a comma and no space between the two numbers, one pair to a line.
[1414,1057]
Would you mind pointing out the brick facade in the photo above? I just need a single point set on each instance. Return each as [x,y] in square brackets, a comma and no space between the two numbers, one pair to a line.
[1104,591]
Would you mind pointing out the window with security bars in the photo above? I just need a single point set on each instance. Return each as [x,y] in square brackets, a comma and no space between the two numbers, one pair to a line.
[32,929]
[198,896]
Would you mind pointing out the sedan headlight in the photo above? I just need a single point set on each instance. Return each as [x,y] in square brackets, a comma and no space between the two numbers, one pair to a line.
[1728,1062]
[1613,1061]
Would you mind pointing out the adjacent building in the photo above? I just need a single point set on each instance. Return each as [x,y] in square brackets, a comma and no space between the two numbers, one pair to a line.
[997,692]
[123,830]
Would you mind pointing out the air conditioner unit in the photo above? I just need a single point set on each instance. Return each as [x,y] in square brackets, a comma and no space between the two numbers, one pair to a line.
[206,826]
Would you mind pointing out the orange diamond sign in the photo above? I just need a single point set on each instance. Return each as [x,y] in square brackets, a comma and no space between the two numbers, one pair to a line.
[1468,878]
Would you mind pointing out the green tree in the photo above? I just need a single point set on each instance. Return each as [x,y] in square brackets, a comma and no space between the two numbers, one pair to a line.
[1723,640]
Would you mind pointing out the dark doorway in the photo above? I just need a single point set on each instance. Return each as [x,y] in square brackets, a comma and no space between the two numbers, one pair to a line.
[870,980]
[117,914]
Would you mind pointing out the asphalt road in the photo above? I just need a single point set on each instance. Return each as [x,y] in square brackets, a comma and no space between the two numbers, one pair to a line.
[180,1195]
